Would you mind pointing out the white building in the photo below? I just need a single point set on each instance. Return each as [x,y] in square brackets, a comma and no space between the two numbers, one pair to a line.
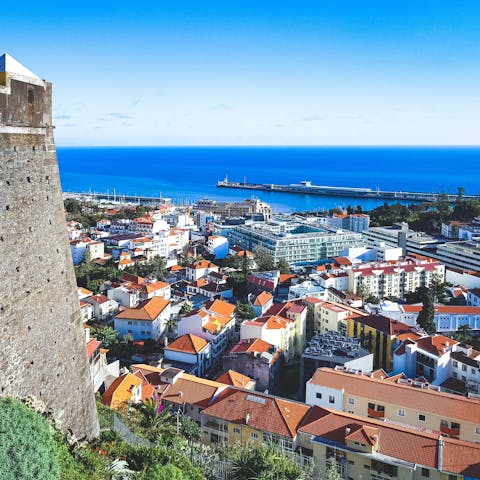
[211,325]
[147,320]
[464,255]
[79,247]
[199,269]
[217,246]
[103,307]
[394,280]
[448,318]
[190,353]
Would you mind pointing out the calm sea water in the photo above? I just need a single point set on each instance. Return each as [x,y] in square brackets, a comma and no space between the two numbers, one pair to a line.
[191,173]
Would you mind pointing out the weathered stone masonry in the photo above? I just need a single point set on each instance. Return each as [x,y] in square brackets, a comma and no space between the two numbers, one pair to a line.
[42,347]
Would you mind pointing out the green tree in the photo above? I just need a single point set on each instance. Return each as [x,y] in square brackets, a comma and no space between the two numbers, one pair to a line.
[263,462]
[27,445]
[283,266]
[171,324]
[244,311]
[263,259]
[438,289]
[186,308]
[426,316]
[107,335]
[331,472]
[464,334]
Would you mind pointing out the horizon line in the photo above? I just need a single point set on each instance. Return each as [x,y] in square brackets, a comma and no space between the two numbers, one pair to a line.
[275,146]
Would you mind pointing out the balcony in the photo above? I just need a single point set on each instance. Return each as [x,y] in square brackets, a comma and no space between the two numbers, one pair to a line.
[451,432]
[215,427]
[375,413]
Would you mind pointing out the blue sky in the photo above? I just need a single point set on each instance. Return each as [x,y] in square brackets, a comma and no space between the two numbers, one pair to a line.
[241,72]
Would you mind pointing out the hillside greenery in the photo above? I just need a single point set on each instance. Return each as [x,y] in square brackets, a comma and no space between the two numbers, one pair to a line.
[162,445]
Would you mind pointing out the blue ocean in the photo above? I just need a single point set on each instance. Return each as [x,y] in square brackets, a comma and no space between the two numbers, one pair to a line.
[186,174]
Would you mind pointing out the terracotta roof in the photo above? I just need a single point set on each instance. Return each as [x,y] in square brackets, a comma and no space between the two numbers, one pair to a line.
[449,309]
[461,457]
[92,345]
[263,298]
[153,287]
[177,268]
[365,435]
[397,442]
[221,307]
[285,277]
[202,264]
[385,324]
[128,277]
[419,399]
[342,261]
[252,345]
[120,391]
[265,413]
[146,310]
[97,299]
[435,344]
[188,343]
[231,377]
[297,308]
[192,391]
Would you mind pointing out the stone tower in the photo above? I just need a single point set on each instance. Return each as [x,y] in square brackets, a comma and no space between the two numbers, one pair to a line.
[42,345]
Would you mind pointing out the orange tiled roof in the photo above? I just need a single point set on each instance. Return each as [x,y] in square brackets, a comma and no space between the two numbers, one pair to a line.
[146,310]
[265,413]
[419,399]
[407,444]
[153,287]
[92,345]
[221,307]
[231,377]
[435,344]
[120,391]
[188,343]
[263,298]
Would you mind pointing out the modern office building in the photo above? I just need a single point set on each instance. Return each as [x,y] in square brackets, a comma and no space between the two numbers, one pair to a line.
[297,242]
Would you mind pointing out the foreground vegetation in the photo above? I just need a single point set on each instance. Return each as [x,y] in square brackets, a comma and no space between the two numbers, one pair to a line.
[159,445]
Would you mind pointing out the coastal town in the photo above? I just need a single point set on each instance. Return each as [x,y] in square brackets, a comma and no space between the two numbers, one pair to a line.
[240,241]
[329,337]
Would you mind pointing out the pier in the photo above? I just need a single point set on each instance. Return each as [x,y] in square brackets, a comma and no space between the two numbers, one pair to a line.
[306,187]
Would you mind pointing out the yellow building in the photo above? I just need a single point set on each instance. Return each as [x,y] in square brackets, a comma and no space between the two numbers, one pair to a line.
[242,416]
[396,399]
[377,334]
[375,450]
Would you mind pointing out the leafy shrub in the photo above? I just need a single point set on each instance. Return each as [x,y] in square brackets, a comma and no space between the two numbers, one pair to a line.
[27,445]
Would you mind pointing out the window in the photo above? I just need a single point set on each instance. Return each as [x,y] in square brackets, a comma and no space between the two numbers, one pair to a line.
[129,322]
[351,401]
[425,472]
[254,436]
[236,430]
[464,368]
[452,477]
[421,417]
[331,399]
[455,364]
[319,395]
[477,430]
[401,412]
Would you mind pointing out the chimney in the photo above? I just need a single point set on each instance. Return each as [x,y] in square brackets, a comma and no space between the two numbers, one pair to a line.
[247,418]
[347,431]
[440,453]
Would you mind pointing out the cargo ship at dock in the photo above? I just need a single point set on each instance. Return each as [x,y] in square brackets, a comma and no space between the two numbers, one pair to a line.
[306,187]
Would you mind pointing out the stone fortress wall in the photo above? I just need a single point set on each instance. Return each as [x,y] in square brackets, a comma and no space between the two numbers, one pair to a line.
[42,345]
